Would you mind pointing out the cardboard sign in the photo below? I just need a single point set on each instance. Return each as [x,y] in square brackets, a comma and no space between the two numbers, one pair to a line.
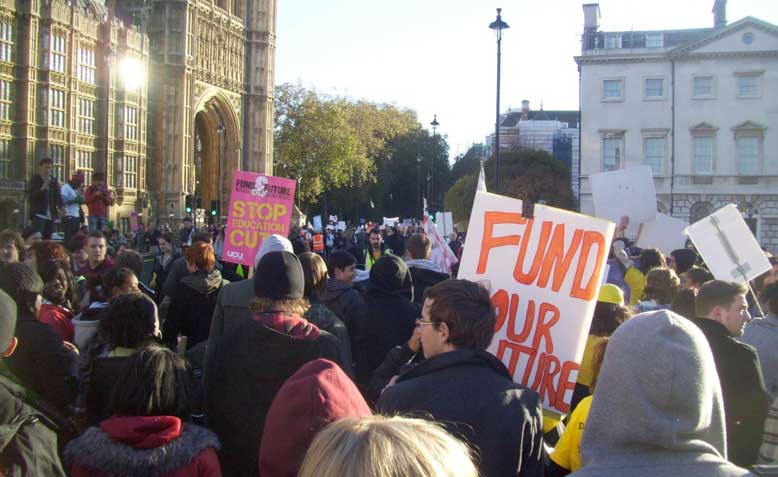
[445,223]
[728,247]
[260,205]
[629,192]
[544,276]
[391,221]
[317,223]
[665,233]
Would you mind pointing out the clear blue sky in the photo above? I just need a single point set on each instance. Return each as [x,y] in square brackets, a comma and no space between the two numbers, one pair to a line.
[439,56]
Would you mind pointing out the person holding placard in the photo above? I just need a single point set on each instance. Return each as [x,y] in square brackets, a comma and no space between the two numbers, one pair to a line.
[635,277]
[762,334]
[722,312]
[461,384]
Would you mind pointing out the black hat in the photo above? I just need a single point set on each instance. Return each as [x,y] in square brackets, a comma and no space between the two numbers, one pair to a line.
[7,320]
[279,276]
[21,283]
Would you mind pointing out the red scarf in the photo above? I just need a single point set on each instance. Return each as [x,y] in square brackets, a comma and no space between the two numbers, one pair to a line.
[289,324]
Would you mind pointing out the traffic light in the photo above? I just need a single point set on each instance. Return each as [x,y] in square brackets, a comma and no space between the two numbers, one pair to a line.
[189,203]
[214,208]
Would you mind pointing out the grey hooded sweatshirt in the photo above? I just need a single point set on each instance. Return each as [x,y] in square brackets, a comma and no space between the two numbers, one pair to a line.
[658,408]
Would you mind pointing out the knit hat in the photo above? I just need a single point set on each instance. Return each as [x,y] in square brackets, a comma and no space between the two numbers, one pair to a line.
[20,281]
[390,275]
[279,276]
[7,320]
[610,293]
[273,243]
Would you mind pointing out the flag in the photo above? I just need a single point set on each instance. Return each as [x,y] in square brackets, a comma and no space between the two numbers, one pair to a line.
[481,181]
[441,254]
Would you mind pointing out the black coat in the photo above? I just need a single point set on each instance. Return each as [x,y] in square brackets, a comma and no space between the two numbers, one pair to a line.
[473,393]
[423,279]
[246,368]
[745,396]
[191,308]
[43,364]
[28,445]
[40,200]
[161,273]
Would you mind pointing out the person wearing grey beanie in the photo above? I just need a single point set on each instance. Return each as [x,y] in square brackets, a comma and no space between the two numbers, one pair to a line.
[28,446]
[658,409]
[249,363]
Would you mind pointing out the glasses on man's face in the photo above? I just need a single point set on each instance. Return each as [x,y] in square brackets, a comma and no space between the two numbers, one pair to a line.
[422,323]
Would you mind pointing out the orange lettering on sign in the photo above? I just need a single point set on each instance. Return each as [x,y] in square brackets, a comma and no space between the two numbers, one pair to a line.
[489,241]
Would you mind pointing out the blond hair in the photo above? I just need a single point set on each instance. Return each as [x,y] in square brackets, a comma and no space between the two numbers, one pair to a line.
[380,446]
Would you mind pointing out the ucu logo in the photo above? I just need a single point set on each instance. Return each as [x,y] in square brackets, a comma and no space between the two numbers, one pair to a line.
[234,254]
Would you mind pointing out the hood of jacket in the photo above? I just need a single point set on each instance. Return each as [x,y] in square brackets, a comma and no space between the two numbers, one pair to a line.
[335,288]
[317,394]
[423,264]
[139,445]
[390,276]
[658,398]
[203,281]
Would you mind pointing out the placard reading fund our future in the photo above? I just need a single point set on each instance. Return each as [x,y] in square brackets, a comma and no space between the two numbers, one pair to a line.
[543,275]
[260,206]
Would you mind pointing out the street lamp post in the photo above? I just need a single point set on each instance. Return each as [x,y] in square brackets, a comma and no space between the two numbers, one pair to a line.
[498,26]
[220,131]
[434,125]
[418,183]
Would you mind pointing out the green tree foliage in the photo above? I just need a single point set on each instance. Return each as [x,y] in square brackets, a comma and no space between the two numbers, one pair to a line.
[459,198]
[332,143]
[527,174]
[467,164]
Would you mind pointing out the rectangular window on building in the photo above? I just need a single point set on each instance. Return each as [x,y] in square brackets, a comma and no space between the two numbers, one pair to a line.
[613,89]
[86,116]
[6,40]
[612,41]
[130,171]
[747,149]
[702,163]
[703,87]
[655,154]
[85,163]
[612,153]
[86,65]
[5,100]
[57,108]
[57,153]
[5,159]
[749,86]
[655,40]
[58,52]
[131,124]
[654,88]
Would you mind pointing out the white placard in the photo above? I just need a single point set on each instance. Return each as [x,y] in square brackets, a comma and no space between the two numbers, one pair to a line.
[317,223]
[544,276]
[341,225]
[391,221]
[665,233]
[629,192]
[728,247]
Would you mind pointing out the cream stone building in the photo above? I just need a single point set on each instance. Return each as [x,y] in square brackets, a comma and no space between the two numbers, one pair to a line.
[698,106]
[181,95]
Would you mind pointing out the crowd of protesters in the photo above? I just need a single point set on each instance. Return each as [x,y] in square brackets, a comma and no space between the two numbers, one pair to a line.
[363,358]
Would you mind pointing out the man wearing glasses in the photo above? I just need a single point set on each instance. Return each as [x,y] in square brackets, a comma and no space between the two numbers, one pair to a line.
[465,387]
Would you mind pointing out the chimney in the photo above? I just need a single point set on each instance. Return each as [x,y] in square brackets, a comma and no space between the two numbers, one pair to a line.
[525,110]
[591,17]
[720,13]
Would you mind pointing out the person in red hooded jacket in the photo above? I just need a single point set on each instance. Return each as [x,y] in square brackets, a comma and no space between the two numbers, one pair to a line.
[147,434]
[317,394]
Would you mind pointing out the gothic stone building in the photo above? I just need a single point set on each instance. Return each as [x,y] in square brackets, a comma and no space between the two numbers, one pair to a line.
[183,94]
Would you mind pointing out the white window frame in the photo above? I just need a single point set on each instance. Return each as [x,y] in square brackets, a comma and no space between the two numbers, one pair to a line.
[86,65]
[703,131]
[654,36]
[57,154]
[57,107]
[59,51]
[86,116]
[656,134]
[615,39]
[5,158]
[753,131]
[712,93]
[623,96]
[620,155]
[6,99]
[757,76]
[130,172]
[646,96]
[85,161]
[131,123]
[6,40]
